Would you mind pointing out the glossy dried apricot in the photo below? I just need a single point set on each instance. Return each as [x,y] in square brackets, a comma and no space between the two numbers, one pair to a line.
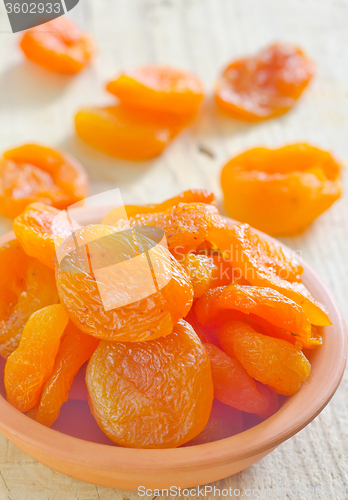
[232,384]
[274,362]
[238,242]
[200,269]
[134,411]
[75,349]
[34,173]
[25,286]
[31,363]
[185,225]
[110,291]
[40,231]
[264,302]
[281,191]
[159,88]
[58,46]
[266,85]
[126,133]
[189,196]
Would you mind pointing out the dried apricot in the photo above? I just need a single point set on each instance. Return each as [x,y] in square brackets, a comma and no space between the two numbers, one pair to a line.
[155,394]
[274,362]
[281,191]
[185,225]
[159,88]
[189,196]
[75,349]
[127,133]
[200,270]
[232,384]
[58,46]
[40,231]
[127,302]
[31,363]
[25,286]
[34,173]
[258,266]
[264,302]
[266,85]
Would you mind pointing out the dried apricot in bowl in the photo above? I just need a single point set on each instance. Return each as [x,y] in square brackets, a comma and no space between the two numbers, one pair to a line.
[110,291]
[34,173]
[158,88]
[281,191]
[126,133]
[58,46]
[266,85]
[155,394]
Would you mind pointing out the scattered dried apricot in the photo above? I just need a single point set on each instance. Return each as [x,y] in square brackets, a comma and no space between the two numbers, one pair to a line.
[281,191]
[159,88]
[31,363]
[136,304]
[58,46]
[127,133]
[134,411]
[266,85]
[75,349]
[274,362]
[34,173]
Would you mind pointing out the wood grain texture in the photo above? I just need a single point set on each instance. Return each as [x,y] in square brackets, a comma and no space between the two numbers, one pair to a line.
[200,35]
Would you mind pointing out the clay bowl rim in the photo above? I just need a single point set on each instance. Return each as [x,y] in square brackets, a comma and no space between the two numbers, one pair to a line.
[297,412]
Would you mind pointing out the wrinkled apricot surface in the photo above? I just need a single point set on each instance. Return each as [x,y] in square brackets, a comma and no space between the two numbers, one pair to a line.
[25,286]
[266,85]
[58,46]
[40,231]
[281,191]
[155,394]
[264,302]
[232,384]
[75,349]
[200,269]
[136,319]
[274,362]
[239,243]
[159,88]
[34,173]
[31,363]
[126,133]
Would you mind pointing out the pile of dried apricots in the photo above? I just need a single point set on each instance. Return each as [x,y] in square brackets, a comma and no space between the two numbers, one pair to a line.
[233,322]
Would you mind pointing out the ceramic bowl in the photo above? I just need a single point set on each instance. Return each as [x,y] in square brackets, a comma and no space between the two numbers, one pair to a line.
[75,446]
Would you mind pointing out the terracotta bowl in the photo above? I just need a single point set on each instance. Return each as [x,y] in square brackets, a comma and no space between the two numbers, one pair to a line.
[75,446]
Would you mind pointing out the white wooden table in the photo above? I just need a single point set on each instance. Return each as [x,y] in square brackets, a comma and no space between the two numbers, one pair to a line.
[202,36]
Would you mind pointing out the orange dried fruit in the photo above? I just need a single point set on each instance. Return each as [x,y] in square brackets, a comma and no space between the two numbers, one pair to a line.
[185,225]
[58,46]
[159,88]
[126,133]
[112,293]
[271,361]
[134,411]
[200,269]
[281,191]
[232,384]
[34,173]
[266,85]
[40,230]
[260,268]
[25,286]
[264,302]
[31,363]
[189,196]
[75,349]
